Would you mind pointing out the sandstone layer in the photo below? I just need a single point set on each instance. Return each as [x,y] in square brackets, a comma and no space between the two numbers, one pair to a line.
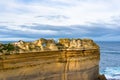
[68,59]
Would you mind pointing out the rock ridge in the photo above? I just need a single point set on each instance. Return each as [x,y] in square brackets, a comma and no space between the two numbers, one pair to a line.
[47,45]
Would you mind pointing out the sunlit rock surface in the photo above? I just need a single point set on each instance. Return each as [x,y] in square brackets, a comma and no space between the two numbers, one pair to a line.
[67,59]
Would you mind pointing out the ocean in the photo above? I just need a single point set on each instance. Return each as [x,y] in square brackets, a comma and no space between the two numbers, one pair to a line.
[110,59]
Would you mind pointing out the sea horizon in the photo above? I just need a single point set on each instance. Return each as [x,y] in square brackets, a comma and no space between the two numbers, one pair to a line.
[9,41]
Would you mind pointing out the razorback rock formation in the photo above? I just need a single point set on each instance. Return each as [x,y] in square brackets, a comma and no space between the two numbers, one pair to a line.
[47,45]
[67,59]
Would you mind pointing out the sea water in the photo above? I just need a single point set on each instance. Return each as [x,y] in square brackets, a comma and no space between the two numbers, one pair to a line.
[110,59]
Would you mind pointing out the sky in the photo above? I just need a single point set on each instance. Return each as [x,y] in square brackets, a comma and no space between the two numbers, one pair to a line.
[34,19]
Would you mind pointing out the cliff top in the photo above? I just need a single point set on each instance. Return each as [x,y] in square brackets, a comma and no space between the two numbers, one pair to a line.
[47,45]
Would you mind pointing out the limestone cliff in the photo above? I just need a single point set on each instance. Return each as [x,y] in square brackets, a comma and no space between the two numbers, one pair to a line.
[67,59]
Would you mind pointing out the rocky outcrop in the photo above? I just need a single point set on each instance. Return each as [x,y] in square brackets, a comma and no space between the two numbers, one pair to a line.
[67,59]
[48,45]
[102,77]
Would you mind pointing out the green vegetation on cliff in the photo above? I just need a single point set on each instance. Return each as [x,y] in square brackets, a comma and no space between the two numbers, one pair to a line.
[8,48]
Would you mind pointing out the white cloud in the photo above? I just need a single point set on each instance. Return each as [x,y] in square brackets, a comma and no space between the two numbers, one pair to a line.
[81,12]
[71,12]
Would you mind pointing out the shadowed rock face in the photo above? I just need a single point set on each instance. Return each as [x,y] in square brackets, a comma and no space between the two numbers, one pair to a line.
[68,59]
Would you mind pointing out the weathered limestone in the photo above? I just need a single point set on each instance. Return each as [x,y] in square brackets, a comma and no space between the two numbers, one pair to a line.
[49,45]
[51,65]
[53,47]
[76,43]
[65,42]
[69,59]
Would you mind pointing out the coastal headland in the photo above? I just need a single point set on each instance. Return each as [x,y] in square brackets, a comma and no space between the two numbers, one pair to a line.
[46,59]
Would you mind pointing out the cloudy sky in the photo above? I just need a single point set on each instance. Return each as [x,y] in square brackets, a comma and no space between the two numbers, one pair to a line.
[34,19]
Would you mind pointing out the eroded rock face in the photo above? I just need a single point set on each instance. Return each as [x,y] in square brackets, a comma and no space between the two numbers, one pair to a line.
[78,44]
[53,46]
[50,45]
[45,59]
[65,42]
[51,65]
